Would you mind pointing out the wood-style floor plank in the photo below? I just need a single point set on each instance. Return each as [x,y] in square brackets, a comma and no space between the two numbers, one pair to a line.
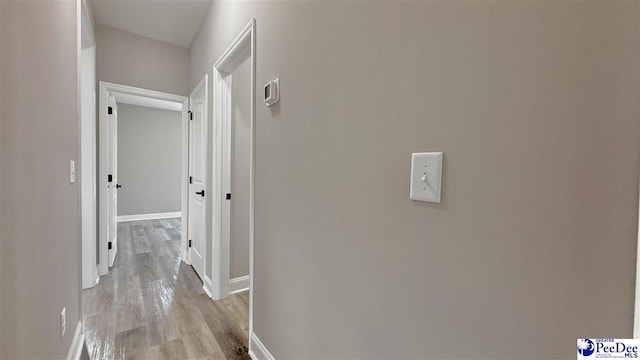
[151,305]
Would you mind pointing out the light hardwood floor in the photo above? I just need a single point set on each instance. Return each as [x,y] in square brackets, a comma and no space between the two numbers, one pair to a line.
[151,305]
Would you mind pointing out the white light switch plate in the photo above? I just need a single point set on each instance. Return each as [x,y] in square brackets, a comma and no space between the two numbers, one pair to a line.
[426,176]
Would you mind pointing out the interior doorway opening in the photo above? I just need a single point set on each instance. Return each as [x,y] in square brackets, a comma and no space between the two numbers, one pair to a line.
[133,99]
[238,181]
[228,166]
[149,159]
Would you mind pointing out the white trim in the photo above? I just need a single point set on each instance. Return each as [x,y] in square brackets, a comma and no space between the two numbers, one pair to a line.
[153,216]
[207,285]
[75,350]
[252,175]
[148,102]
[131,90]
[252,171]
[221,243]
[257,350]
[107,89]
[234,53]
[239,284]
[241,48]
[87,154]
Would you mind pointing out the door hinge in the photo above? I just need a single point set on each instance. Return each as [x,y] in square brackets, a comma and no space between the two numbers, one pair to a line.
[228,196]
[190,115]
[190,179]
[109,178]
[189,243]
[109,110]
[109,245]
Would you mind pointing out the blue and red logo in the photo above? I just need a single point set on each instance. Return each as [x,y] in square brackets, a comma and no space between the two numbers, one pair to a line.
[586,347]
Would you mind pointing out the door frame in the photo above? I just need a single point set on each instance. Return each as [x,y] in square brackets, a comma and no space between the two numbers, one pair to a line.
[87,161]
[106,89]
[241,48]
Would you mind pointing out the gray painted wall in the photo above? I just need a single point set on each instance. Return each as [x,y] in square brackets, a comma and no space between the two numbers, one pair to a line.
[130,59]
[39,209]
[149,160]
[535,107]
[241,162]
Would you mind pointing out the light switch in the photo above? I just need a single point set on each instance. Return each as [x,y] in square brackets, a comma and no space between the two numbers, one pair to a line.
[72,171]
[426,176]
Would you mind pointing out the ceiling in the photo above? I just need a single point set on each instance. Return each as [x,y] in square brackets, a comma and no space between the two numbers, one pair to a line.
[172,21]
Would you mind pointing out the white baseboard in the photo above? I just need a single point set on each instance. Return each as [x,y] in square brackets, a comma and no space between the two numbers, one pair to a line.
[207,286]
[156,216]
[76,345]
[257,350]
[239,284]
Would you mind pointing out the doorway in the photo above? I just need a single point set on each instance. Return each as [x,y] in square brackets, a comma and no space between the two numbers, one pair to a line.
[108,181]
[227,164]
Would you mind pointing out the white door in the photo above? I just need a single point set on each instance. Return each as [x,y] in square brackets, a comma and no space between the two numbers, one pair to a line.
[112,225]
[197,173]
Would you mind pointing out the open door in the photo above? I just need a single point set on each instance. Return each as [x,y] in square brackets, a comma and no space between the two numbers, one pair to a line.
[197,179]
[112,229]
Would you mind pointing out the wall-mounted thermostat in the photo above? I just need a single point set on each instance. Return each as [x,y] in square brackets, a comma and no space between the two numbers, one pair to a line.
[272,92]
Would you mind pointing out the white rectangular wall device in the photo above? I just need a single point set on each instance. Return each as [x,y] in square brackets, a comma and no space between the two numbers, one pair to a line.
[426,176]
[272,92]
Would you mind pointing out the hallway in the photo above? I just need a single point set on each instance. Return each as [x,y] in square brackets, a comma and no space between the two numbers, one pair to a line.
[152,306]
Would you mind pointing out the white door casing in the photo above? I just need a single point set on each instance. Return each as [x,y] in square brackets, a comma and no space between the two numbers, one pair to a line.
[88,156]
[88,164]
[198,175]
[242,48]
